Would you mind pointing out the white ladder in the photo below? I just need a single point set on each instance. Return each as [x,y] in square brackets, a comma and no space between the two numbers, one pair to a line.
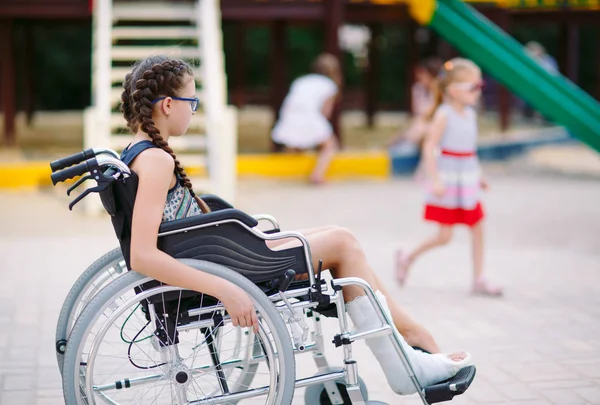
[126,32]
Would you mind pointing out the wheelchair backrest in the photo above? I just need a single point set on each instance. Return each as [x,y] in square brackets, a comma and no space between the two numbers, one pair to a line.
[222,236]
[225,236]
[118,200]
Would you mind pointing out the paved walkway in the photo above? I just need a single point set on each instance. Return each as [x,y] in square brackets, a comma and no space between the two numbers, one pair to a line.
[540,344]
[574,160]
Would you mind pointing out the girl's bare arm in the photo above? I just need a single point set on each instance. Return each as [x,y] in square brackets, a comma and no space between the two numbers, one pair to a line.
[432,140]
[155,170]
[328,106]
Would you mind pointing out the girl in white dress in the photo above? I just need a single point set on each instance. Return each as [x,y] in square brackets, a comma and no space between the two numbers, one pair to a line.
[304,116]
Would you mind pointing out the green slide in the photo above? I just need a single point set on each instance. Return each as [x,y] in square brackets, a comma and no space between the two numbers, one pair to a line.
[503,57]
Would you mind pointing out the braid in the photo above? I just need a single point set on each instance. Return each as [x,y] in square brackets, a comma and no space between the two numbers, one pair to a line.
[157,77]
[125,107]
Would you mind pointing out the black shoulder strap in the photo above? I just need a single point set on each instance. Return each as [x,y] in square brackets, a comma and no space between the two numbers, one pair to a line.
[130,153]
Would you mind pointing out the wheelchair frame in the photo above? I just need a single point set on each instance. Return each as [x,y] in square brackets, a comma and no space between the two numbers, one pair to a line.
[95,161]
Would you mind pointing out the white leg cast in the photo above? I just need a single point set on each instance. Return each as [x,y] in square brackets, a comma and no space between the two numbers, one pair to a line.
[429,368]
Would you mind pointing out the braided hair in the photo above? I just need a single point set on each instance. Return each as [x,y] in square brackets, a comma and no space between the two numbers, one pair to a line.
[149,79]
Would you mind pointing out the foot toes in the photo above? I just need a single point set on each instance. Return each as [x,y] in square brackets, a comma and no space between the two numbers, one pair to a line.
[460,356]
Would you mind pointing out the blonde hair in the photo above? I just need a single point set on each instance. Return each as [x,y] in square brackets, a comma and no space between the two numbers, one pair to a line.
[328,65]
[453,70]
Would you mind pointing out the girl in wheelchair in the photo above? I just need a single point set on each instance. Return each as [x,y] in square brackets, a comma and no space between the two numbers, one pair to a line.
[158,101]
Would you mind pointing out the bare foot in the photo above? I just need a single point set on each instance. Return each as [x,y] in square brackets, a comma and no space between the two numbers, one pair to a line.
[482,287]
[402,264]
[459,356]
[316,180]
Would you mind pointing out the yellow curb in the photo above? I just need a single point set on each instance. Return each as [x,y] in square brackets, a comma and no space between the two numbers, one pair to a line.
[24,175]
[346,165]
[195,170]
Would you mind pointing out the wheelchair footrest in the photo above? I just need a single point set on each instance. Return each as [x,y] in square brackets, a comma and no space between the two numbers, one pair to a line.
[448,389]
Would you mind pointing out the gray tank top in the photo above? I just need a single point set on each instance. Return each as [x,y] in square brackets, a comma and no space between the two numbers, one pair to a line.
[180,203]
[460,134]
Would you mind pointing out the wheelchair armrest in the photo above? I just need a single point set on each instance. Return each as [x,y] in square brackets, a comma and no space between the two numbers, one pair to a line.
[269,218]
[205,219]
[215,203]
[228,238]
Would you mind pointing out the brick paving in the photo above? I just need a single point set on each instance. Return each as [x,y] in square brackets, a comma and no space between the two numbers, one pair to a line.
[540,344]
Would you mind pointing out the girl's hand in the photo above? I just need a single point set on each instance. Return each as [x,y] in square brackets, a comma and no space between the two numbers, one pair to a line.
[239,306]
[484,184]
[438,188]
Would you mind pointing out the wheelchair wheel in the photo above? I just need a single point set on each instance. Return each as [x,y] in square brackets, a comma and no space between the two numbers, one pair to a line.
[317,394]
[167,346]
[97,276]
[92,280]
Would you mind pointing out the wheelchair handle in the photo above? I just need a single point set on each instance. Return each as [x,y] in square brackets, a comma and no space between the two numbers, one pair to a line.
[80,157]
[73,171]
[72,160]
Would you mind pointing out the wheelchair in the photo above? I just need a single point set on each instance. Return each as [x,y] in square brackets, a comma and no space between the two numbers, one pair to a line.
[123,338]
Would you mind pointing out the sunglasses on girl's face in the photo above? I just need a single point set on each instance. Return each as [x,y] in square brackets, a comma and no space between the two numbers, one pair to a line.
[471,87]
[195,102]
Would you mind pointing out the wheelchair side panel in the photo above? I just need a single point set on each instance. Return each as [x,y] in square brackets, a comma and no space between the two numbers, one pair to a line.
[233,246]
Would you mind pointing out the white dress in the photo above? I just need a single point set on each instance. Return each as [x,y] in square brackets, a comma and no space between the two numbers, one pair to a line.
[301,122]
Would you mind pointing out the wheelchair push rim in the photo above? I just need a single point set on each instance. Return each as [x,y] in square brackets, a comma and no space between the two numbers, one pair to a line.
[275,347]
[93,389]
[104,270]
[92,280]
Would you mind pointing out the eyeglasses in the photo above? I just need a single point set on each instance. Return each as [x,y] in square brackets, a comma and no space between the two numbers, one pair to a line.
[195,102]
[471,87]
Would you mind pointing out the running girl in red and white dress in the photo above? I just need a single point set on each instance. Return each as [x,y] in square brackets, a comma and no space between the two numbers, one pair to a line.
[455,178]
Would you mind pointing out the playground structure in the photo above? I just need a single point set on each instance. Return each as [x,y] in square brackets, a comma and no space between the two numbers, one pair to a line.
[464,27]
[124,33]
[477,33]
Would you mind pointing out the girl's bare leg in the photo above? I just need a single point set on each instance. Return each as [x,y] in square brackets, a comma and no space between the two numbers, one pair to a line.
[414,333]
[328,149]
[477,236]
[442,237]
[480,284]
[342,254]
[405,259]
[306,232]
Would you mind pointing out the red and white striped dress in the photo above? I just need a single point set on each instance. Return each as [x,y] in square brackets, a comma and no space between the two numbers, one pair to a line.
[458,168]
